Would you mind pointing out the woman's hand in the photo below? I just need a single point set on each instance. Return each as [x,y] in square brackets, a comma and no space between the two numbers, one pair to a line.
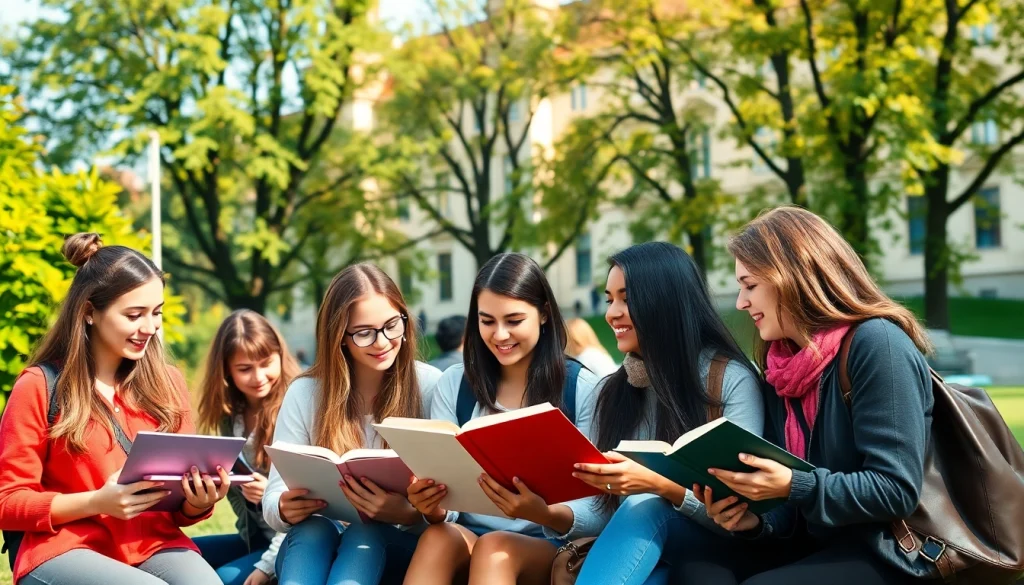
[624,477]
[378,503]
[771,480]
[426,498]
[257,577]
[725,513]
[253,491]
[294,509]
[525,504]
[124,502]
[201,493]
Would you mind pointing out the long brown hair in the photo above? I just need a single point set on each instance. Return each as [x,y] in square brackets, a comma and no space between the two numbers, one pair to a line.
[581,336]
[820,280]
[251,334]
[104,274]
[338,425]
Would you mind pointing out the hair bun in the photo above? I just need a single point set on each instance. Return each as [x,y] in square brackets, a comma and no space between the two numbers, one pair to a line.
[80,247]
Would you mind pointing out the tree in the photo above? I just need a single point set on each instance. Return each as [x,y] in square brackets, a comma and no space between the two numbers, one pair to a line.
[968,90]
[37,209]
[248,98]
[460,117]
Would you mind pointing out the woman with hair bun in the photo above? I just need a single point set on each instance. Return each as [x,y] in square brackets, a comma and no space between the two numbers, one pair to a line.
[58,481]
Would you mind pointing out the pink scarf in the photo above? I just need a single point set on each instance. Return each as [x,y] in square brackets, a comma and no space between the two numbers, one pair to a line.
[798,375]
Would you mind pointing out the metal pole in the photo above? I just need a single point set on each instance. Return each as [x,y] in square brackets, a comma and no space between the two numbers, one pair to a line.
[154,186]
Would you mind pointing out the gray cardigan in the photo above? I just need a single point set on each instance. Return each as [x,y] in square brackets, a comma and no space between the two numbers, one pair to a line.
[869,458]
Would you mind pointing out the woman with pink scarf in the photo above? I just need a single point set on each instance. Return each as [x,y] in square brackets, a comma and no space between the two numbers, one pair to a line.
[806,290]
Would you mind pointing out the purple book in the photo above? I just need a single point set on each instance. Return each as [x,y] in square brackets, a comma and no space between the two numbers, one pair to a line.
[167,456]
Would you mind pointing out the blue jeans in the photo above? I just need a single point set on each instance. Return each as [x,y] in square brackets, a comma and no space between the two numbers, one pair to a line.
[645,536]
[230,556]
[320,551]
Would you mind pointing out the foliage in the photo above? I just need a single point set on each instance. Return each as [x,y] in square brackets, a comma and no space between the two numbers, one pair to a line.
[259,154]
[37,209]
[460,121]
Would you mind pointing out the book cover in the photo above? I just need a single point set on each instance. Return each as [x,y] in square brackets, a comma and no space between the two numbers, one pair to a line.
[716,444]
[173,455]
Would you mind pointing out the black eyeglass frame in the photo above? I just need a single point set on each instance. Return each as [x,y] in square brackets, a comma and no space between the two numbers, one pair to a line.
[379,331]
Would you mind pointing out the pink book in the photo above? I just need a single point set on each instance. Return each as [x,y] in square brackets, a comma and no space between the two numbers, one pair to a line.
[167,456]
[320,470]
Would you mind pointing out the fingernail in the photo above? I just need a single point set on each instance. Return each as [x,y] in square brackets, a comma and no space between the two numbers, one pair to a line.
[348,478]
[711,471]
[744,457]
[576,466]
[219,468]
[195,469]
[442,486]
[574,474]
[430,482]
[362,479]
[515,480]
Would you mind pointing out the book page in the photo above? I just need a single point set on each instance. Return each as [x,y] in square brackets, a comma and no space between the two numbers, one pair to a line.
[356,454]
[437,426]
[698,432]
[318,475]
[440,457]
[310,450]
[644,447]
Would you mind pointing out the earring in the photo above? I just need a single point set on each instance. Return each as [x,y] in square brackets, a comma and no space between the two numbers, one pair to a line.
[403,337]
[88,322]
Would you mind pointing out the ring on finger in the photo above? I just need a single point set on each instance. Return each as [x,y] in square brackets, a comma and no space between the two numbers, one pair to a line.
[608,486]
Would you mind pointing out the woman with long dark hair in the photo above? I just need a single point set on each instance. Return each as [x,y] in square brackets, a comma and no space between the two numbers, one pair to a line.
[514,357]
[666,324]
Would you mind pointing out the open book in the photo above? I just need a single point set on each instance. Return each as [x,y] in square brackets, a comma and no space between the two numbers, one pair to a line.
[537,444]
[320,471]
[716,444]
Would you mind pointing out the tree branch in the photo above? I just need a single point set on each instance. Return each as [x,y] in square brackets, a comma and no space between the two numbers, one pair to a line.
[990,165]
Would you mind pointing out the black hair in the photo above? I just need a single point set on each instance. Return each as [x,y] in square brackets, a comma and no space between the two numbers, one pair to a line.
[516,276]
[449,332]
[675,320]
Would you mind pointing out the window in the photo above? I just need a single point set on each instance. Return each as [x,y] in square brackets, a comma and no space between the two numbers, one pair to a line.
[403,210]
[515,111]
[987,219]
[404,279]
[507,170]
[700,155]
[917,209]
[984,132]
[988,293]
[984,34]
[443,192]
[584,267]
[578,97]
[444,269]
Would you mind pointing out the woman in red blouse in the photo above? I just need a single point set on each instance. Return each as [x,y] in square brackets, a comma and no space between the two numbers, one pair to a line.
[58,484]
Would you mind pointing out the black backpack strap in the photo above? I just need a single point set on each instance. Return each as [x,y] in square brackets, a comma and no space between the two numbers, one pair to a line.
[845,384]
[465,402]
[51,373]
[572,375]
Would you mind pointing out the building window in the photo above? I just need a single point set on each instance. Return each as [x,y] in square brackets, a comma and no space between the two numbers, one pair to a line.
[404,279]
[984,34]
[444,270]
[578,97]
[403,210]
[700,155]
[984,132]
[988,293]
[584,266]
[515,111]
[443,191]
[917,210]
[987,219]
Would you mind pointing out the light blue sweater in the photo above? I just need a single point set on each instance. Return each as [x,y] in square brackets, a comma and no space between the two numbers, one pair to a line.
[742,403]
[443,408]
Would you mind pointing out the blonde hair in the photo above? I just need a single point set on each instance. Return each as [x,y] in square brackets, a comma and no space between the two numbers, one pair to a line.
[338,425]
[820,280]
[581,336]
[251,334]
[104,274]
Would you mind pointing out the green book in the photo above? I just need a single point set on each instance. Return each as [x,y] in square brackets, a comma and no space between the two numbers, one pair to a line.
[716,444]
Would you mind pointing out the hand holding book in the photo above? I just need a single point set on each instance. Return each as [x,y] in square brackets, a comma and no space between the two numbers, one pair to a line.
[377,503]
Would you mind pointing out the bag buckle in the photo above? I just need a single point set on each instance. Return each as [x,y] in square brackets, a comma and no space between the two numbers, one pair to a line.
[569,547]
[933,549]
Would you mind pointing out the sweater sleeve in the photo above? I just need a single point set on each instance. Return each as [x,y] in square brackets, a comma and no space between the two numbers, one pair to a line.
[743,404]
[24,504]
[294,425]
[891,404]
[268,561]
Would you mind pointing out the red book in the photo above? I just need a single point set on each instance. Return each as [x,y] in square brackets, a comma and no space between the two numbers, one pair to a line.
[537,444]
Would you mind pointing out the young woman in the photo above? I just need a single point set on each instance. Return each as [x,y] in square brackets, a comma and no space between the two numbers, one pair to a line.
[805,289]
[514,357]
[584,346]
[666,324]
[58,483]
[364,371]
[247,371]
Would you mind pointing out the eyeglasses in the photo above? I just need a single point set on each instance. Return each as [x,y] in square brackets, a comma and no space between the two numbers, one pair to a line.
[391,330]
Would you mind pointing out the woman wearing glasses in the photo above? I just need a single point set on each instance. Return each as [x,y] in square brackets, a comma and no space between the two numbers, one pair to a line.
[364,372]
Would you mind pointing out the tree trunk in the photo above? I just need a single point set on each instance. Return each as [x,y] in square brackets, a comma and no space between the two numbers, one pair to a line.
[936,258]
[256,303]
[854,222]
[699,246]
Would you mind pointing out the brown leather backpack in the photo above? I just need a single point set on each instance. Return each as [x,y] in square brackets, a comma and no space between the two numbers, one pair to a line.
[569,558]
[970,521]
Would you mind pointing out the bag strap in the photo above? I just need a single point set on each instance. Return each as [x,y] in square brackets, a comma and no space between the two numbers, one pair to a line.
[844,373]
[51,373]
[713,386]
[465,402]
